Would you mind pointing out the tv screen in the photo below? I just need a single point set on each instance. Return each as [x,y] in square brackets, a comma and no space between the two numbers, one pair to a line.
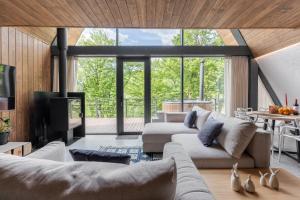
[7,87]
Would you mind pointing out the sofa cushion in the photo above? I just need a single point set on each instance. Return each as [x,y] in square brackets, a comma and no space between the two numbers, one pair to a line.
[55,151]
[202,116]
[190,118]
[235,136]
[93,155]
[25,178]
[190,184]
[210,131]
[161,132]
[210,157]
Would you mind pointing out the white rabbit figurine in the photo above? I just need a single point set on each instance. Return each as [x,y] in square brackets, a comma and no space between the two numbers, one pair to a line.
[235,179]
[273,181]
[249,185]
[263,179]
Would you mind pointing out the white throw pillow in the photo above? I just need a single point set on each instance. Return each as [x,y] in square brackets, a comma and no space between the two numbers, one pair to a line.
[27,179]
[202,116]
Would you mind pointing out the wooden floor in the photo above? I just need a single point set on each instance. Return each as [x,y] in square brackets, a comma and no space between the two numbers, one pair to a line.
[109,125]
[218,182]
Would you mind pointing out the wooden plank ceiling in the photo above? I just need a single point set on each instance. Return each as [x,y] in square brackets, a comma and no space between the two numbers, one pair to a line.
[152,13]
[263,41]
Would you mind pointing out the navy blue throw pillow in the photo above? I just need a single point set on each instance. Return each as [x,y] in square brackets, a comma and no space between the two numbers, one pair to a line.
[210,130]
[92,155]
[190,119]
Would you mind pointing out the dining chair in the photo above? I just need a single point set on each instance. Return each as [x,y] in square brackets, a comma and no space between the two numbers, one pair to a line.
[286,132]
[241,113]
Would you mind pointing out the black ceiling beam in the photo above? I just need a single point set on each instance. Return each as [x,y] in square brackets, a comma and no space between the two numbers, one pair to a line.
[238,37]
[155,51]
[268,87]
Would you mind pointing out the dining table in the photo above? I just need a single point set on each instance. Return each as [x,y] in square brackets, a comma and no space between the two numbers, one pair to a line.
[267,117]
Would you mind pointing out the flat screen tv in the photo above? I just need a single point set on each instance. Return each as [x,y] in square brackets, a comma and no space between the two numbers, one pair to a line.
[7,87]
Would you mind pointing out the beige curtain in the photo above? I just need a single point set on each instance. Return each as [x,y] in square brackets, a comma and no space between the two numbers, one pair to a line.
[71,74]
[236,83]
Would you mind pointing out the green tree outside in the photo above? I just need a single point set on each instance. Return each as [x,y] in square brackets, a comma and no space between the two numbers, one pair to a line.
[97,77]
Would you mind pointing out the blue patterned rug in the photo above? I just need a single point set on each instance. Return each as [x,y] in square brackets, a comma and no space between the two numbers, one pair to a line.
[136,153]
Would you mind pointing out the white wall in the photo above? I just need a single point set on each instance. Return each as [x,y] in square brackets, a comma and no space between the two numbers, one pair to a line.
[282,69]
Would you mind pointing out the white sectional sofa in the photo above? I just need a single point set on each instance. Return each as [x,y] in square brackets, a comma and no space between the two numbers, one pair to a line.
[190,185]
[156,135]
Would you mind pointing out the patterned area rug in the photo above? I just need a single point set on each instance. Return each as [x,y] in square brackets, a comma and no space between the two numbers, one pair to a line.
[136,153]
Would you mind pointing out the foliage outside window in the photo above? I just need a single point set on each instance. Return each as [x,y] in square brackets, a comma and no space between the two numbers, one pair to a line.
[97,37]
[165,82]
[97,76]
[202,37]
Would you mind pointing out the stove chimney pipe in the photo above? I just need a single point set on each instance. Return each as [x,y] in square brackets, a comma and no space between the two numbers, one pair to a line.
[62,48]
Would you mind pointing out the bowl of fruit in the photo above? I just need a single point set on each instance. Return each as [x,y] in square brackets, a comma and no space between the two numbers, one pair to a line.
[285,110]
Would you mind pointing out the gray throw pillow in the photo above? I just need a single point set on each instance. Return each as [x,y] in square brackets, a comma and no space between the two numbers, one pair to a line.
[202,116]
[210,131]
[27,179]
[190,118]
[236,135]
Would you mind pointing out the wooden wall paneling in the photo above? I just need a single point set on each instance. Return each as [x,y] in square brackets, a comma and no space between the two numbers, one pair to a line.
[25,95]
[1,55]
[19,103]
[4,55]
[12,62]
[40,66]
[35,65]
[31,57]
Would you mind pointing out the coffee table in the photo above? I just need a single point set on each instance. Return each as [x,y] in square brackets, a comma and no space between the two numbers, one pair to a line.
[218,181]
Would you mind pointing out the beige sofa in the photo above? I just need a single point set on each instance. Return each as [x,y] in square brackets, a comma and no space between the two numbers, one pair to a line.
[156,135]
[190,184]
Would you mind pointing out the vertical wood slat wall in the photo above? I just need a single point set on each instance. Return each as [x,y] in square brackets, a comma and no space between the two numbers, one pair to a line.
[31,57]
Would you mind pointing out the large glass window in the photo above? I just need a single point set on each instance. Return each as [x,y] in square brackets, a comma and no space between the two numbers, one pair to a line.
[202,37]
[149,37]
[165,86]
[204,83]
[97,78]
[97,37]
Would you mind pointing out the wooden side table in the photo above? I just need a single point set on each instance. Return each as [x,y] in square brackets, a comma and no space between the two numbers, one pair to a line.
[16,148]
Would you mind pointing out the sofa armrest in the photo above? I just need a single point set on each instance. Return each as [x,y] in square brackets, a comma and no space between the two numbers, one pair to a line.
[259,148]
[175,116]
[190,184]
[55,151]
